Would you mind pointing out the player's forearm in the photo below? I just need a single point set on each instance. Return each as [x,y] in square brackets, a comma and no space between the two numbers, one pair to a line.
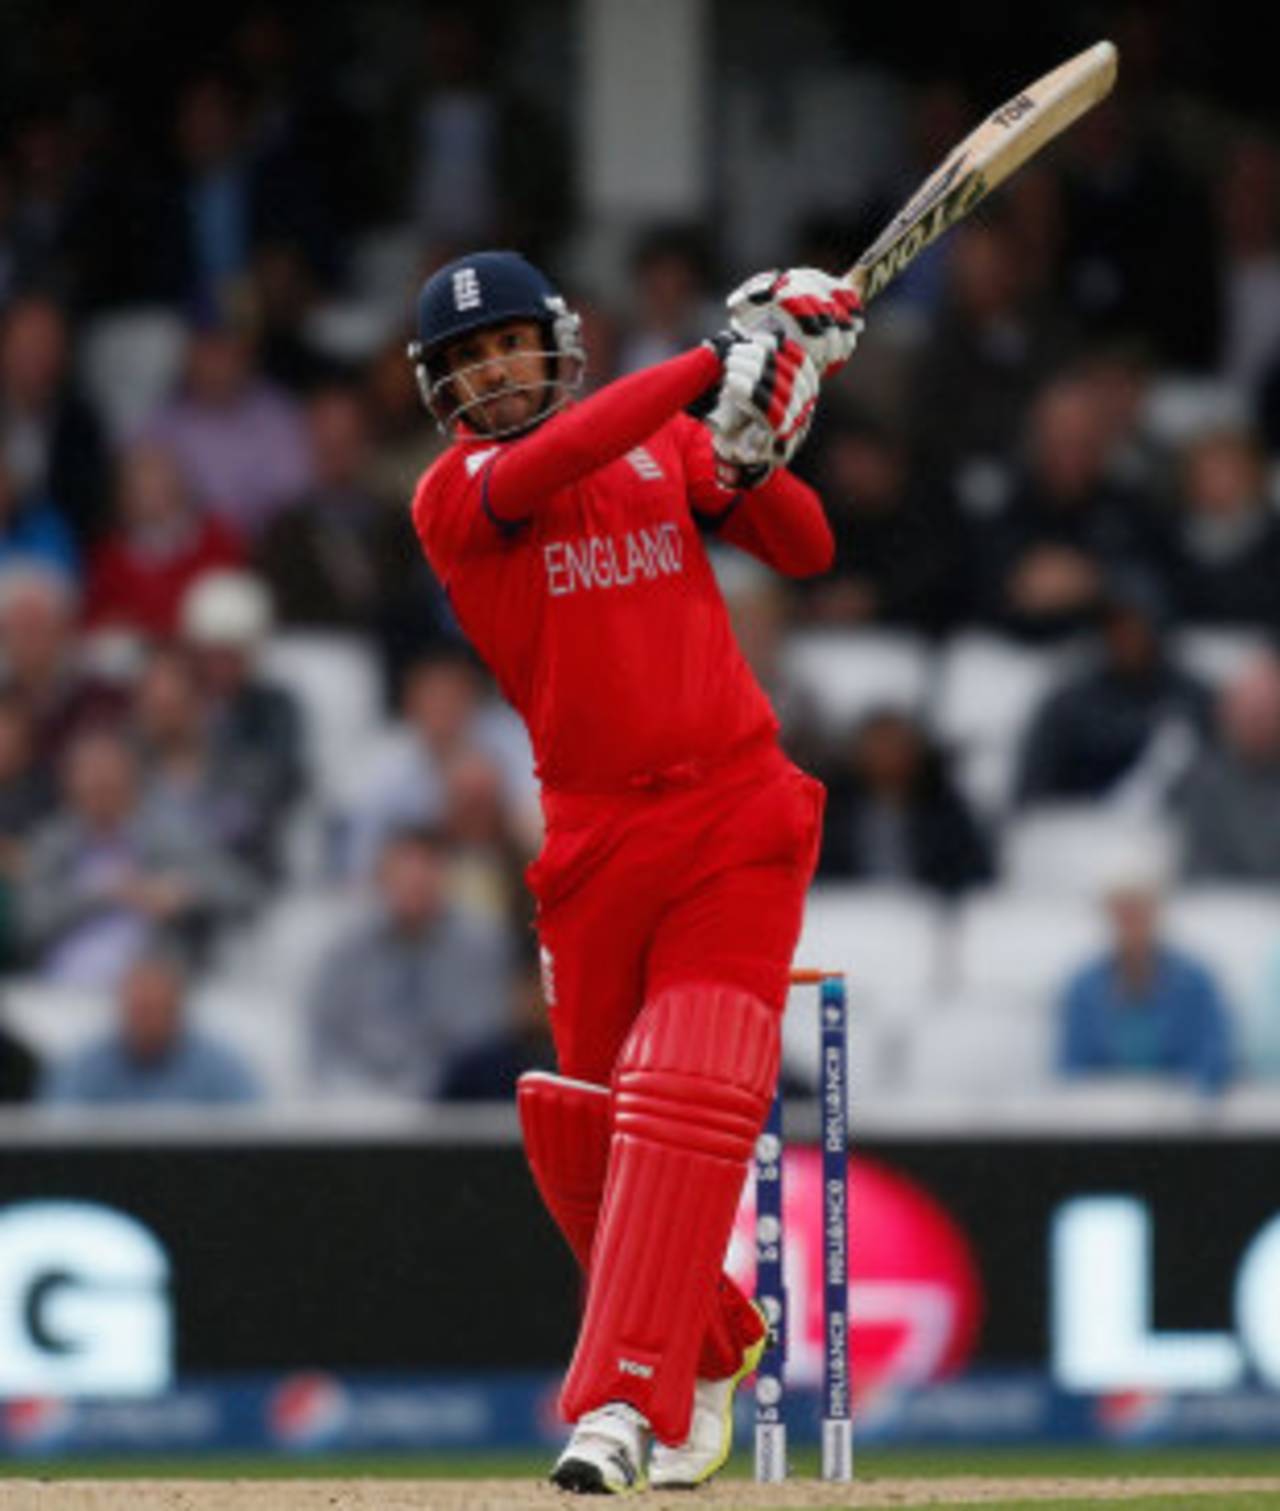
[782,524]
[580,440]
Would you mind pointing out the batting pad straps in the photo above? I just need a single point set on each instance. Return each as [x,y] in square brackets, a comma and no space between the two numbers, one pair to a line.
[566,1127]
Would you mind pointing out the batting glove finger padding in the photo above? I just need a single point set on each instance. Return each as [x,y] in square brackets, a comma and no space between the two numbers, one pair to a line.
[822,313]
[764,407]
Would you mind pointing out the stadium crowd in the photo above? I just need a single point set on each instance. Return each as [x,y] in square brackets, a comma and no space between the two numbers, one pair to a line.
[242,747]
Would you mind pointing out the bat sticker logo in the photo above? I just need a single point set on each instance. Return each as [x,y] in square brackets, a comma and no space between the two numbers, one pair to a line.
[908,246]
[1008,114]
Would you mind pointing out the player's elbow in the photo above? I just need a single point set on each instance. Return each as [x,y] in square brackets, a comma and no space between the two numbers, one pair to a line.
[815,553]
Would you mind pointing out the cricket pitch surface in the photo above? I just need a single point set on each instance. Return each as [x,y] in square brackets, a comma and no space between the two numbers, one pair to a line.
[518,1495]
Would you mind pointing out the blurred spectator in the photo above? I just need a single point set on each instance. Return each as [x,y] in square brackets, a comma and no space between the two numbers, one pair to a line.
[489,855]
[1124,729]
[27,797]
[31,529]
[340,557]
[444,715]
[1226,544]
[396,999]
[141,569]
[671,308]
[107,870]
[1249,223]
[1119,375]
[405,439]
[294,117]
[1144,1007]
[489,1071]
[51,200]
[894,559]
[893,815]
[1124,192]
[19,1069]
[283,293]
[151,1057]
[240,442]
[989,351]
[256,729]
[213,797]
[49,438]
[486,165]
[1036,563]
[227,196]
[41,661]
[1231,805]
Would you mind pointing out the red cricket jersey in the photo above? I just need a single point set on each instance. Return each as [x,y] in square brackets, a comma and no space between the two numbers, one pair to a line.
[574,563]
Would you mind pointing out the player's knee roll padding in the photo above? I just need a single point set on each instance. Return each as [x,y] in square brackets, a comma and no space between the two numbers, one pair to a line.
[691,1090]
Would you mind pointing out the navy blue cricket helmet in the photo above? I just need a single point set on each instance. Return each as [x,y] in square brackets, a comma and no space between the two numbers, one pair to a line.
[486,289]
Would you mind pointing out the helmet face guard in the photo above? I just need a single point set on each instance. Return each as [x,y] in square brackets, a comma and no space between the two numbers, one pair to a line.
[440,393]
[477,293]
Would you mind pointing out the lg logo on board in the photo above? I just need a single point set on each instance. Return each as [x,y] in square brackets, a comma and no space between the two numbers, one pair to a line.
[1104,1337]
[84,1303]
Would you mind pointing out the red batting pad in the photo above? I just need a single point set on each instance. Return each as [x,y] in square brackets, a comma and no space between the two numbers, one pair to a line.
[567,1126]
[566,1138]
[691,1089]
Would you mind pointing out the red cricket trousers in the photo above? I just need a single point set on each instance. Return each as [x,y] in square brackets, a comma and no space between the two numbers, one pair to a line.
[698,877]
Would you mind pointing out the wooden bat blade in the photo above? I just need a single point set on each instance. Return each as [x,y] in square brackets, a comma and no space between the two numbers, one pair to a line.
[985,158]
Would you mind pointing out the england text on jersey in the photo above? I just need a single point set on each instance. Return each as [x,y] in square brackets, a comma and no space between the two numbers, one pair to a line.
[612,561]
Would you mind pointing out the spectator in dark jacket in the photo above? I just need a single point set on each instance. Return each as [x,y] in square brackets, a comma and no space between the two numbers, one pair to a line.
[27,797]
[48,434]
[893,816]
[1129,725]
[991,348]
[32,529]
[19,1069]
[1144,1007]
[1226,540]
[1038,560]
[894,557]
[340,557]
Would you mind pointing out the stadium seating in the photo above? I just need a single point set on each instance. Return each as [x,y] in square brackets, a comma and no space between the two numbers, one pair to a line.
[1011,947]
[979,1053]
[128,363]
[338,681]
[848,676]
[1084,848]
[1216,654]
[887,940]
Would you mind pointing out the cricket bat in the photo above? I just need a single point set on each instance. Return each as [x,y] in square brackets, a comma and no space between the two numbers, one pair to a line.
[984,159]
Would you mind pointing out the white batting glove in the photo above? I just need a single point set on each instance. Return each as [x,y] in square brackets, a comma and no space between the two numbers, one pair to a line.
[763,409]
[820,312]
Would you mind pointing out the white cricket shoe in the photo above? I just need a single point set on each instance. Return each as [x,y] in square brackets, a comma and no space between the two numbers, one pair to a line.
[706,1449]
[605,1454]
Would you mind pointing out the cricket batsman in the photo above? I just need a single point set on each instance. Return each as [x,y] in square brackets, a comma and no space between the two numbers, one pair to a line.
[680,841]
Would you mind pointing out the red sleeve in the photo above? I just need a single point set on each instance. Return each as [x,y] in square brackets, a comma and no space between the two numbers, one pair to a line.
[605,426]
[781,523]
